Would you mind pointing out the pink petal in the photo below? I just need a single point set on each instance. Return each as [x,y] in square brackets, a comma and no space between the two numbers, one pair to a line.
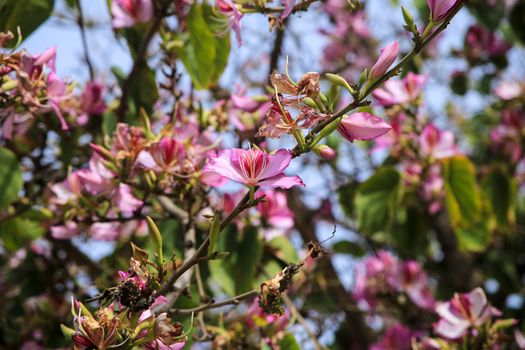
[282,181]
[387,56]
[362,126]
[125,201]
[277,162]
[288,8]
[220,166]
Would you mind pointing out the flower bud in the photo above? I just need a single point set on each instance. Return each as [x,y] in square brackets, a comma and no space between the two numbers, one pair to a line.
[362,126]
[340,81]
[387,56]
[439,9]
[325,152]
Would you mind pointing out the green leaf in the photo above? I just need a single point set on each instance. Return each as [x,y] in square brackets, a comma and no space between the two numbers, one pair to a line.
[248,256]
[288,342]
[156,237]
[475,238]
[409,233]
[467,215]
[143,89]
[376,200]
[26,14]
[286,250]
[10,177]
[204,52]
[18,231]
[236,273]
[462,196]
[346,196]
[500,189]
[215,228]
[347,247]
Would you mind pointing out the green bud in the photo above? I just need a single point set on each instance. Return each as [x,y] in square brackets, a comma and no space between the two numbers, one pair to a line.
[363,77]
[326,131]
[309,102]
[156,237]
[409,20]
[340,81]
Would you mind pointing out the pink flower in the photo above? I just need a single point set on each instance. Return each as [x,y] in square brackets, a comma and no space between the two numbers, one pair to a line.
[56,90]
[375,277]
[126,13]
[163,156]
[69,230]
[91,101]
[34,65]
[481,43]
[274,209]
[98,180]
[509,90]
[251,167]
[396,92]
[439,9]
[437,143]
[413,281]
[462,312]
[288,8]
[432,190]
[362,126]
[397,337]
[387,56]
[234,16]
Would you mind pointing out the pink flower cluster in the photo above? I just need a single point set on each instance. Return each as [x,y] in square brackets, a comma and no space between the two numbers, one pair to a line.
[383,276]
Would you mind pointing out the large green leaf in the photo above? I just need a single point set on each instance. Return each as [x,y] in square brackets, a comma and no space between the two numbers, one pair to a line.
[236,273]
[376,200]
[10,177]
[18,231]
[500,189]
[462,195]
[26,14]
[204,52]
[468,217]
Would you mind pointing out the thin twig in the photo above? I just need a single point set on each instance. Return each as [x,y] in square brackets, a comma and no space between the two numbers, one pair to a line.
[81,26]
[289,303]
[213,305]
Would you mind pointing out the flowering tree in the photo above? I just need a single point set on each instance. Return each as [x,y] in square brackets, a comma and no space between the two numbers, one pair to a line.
[325,200]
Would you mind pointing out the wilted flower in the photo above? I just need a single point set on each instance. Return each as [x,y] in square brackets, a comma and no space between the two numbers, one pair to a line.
[463,311]
[126,13]
[251,167]
[362,126]
[387,56]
